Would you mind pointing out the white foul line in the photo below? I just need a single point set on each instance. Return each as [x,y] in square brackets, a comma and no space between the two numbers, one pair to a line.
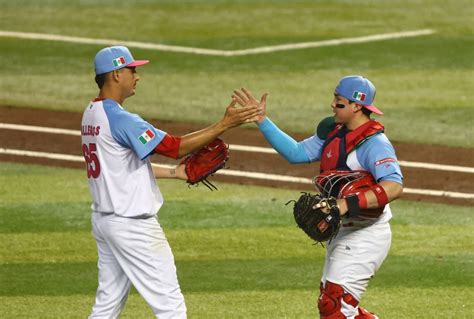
[441,167]
[254,149]
[56,156]
[235,147]
[226,53]
[40,129]
[228,172]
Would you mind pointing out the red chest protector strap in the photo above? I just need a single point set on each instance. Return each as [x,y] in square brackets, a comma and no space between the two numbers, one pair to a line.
[341,142]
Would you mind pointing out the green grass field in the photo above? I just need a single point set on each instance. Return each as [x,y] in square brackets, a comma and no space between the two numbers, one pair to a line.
[423,82]
[239,254]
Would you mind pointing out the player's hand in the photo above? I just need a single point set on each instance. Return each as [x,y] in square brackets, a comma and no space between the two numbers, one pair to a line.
[245,98]
[236,116]
[341,204]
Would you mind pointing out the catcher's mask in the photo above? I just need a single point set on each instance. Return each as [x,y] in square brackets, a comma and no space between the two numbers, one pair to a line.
[338,184]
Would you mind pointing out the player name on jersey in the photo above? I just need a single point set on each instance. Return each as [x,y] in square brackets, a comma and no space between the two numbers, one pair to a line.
[90,130]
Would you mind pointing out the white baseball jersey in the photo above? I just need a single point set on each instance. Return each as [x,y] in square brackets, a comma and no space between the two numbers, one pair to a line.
[116,145]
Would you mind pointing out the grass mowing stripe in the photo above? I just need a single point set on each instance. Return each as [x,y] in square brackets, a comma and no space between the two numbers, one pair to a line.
[44,217]
[61,279]
[48,279]
[430,214]
[387,303]
[415,240]
[391,303]
[420,302]
[249,304]
[287,303]
[46,247]
[49,217]
[234,244]
[188,245]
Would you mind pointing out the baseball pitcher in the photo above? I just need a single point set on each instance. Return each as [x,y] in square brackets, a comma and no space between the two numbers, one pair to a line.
[117,145]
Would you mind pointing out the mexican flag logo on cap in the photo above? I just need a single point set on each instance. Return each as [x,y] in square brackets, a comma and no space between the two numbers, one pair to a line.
[147,136]
[119,61]
[358,96]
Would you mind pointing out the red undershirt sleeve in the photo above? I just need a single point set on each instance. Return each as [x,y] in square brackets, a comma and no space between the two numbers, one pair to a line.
[169,146]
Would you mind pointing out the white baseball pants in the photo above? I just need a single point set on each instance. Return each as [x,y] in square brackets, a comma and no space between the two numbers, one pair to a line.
[135,252]
[354,256]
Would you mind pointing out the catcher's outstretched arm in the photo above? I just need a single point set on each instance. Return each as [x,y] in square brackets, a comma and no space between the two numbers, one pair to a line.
[284,144]
[233,117]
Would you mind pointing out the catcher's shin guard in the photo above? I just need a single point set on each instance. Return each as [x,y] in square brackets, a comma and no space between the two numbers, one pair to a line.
[329,302]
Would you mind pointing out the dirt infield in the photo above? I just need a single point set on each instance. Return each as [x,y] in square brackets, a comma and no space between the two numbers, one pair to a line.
[418,178]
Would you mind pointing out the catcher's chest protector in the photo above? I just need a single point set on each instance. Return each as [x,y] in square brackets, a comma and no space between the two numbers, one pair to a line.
[341,142]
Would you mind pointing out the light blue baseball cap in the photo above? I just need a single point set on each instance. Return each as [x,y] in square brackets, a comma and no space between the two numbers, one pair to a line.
[114,58]
[358,89]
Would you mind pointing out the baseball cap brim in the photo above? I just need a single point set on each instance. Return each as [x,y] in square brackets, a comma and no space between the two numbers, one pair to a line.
[138,63]
[373,108]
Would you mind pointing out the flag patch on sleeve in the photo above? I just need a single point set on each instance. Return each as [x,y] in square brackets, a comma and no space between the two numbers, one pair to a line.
[147,136]
[385,160]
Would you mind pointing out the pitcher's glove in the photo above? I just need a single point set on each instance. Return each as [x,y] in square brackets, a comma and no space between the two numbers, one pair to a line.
[320,224]
[206,161]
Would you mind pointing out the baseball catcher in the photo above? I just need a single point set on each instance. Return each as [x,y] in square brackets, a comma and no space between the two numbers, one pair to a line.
[205,162]
[359,176]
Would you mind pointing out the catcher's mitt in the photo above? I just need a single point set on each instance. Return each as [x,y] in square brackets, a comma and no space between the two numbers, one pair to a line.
[320,224]
[205,162]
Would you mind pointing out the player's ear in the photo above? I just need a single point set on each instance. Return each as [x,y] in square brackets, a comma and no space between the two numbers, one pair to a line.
[357,107]
[115,75]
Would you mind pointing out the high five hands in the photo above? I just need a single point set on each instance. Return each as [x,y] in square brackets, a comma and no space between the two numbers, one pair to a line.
[235,116]
[245,98]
